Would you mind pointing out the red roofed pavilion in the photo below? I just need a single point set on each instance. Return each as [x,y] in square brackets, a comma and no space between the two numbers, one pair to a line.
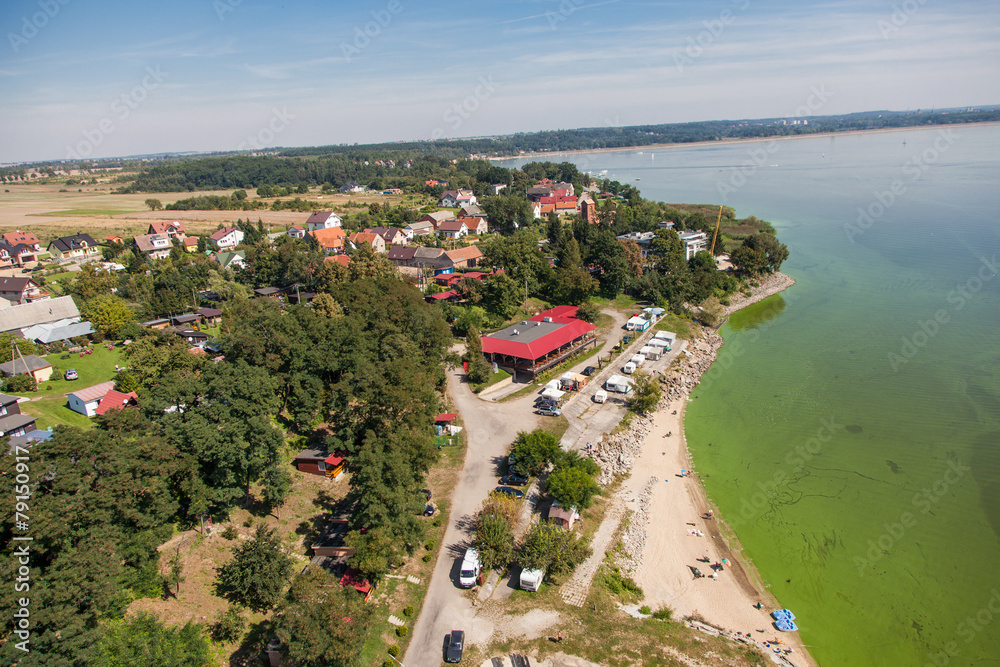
[537,344]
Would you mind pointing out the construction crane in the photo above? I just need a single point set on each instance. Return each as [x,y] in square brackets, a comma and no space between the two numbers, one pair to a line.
[716,235]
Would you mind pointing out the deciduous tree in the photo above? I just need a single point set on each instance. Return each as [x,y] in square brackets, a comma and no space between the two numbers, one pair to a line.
[258,571]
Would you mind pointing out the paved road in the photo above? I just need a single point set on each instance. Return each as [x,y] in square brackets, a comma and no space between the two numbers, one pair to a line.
[490,428]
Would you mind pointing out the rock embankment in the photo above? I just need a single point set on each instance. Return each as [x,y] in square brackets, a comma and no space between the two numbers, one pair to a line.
[629,558]
[769,286]
[686,371]
[616,454]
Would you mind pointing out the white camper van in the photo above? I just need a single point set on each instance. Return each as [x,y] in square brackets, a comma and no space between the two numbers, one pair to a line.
[600,396]
[470,569]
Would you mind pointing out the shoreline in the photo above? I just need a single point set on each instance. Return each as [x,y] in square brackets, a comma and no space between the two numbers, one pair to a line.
[747,140]
[670,516]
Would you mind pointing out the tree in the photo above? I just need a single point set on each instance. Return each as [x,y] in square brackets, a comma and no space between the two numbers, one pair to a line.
[508,212]
[775,252]
[154,204]
[109,313]
[176,575]
[589,311]
[572,487]
[502,296]
[502,505]
[534,451]
[326,306]
[494,541]
[277,487]
[548,547]
[367,263]
[321,623]
[257,573]
[645,393]
[143,640]
[479,369]
[230,625]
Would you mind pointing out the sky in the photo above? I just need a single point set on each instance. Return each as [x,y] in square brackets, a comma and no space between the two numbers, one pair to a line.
[103,78]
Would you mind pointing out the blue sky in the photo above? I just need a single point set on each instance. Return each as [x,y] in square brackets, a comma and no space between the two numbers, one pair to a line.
[94,78]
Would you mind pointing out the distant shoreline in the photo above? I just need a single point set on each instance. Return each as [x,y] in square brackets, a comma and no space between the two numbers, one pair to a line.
[748,140]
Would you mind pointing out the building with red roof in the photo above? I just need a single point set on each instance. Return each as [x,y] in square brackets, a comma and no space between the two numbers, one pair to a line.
[116,400]
[356,580]
[539,343]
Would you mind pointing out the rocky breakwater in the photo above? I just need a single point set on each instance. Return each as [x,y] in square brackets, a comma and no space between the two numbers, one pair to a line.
[686,371]
[629,558]
[616,453]
[769,286]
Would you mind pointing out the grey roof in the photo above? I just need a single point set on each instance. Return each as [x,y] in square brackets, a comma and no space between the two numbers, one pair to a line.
[6,399]
[31,362]
[38,312]
[527,331]
[75,242]
[11,422]
[427,253]
[66,332]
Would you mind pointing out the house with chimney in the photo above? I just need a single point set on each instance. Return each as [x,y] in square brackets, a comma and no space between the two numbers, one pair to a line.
[323,220]
[78,246]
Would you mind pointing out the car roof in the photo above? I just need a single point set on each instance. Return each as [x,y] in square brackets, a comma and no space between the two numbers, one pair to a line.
[457,634]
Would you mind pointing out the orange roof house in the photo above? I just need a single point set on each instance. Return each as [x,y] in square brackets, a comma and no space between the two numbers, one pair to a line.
[330,240]
[343,260]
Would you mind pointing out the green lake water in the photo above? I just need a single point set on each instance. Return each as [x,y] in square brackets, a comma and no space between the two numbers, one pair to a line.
[849,431]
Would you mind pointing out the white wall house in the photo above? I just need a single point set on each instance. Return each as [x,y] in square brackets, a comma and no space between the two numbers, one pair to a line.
[86,400]
[322,220]
[227,237]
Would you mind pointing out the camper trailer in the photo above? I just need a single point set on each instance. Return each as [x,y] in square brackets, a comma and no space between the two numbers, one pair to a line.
[651,352]
[638,360]
[618,384]
[638,324]
[531,580]
[600,396]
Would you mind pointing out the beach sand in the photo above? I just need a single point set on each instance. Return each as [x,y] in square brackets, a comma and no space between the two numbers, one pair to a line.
[670,550]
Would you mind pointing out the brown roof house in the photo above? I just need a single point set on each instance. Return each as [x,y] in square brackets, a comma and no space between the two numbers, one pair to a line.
[323,220]
[464,258]
[171,228]
[23,238]
[376,241]
[453,229]
[437,218]
[227,237]
[12,422]
[157,246]
[21,290]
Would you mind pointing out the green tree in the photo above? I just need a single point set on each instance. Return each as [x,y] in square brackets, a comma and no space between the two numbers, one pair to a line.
[589,311]
[508,213]
[534,451]
[277,483]
[548,547]
[326,306]
[494,541]
[109,313]
[479,369]
[229,625]
[322,624]
[502,296]
[143,640]
[645,393]
[175,577]
[775,252]
[572,487]
[154,204]
[258,571]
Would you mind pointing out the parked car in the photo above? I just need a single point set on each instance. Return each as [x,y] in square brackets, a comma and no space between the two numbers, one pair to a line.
[546,402]
[589,370]
[549,412]
[71,374]
[514,479]
[469,571]
[517,493]
[456,644]
[428,510]
[25,270]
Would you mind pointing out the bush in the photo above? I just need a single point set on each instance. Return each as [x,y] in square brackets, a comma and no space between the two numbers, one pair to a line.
[20,384]
[56,346]
[408,610]
[620,584]
[401,631]
[394,650]
[427,558]
[430,545]
[663,614]
[645,610]
[230,533]
[97,337]
[389,662]
[230,625]
[436,522]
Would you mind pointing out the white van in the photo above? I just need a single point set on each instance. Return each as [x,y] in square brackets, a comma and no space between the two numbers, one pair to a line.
[470,569]
[531,580]
[600,396]
[629,368]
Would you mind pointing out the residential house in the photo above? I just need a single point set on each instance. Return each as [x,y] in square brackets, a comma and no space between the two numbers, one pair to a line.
[330,240]
[227,237]
[297,232]
[318,461]
[376,241]
[45,311]
[157,246]
[231,259]
[562,189]
[472,210]
[17,254]
[536,211]
[419,228]
[391,235]
[437,218]
[186,319]
[170,228]
[116,400]
[210,315]
[79,246]
[401,255]
[196,338]
[419,257]
[497,187]
[23,238]
[476,224]
[31,364]
[694,242]
[86,400]
[352,186]
[455,198]
[114,238]
[464,258]
[20,291]
[12,422]
[536,192]
[343,260]
[157,324]
[322,220]
[190,244]
[433,182]
[453,229]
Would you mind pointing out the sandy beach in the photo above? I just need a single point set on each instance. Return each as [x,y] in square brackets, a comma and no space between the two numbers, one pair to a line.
[672,511]
[750,140]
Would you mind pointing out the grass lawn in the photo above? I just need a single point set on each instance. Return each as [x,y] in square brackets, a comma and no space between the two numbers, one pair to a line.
[49,403]
[680,326]
[501,374]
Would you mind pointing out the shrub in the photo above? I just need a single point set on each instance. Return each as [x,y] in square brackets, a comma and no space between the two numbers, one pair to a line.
[56,346]
[408,610]
[430,545]
[663,614]
[394,650]
[97,337]
[645,610]
[427,558]
[230,532]
[230,625]
[620,584]
[401,631]
[436,522]
[389,663]
[248,522]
